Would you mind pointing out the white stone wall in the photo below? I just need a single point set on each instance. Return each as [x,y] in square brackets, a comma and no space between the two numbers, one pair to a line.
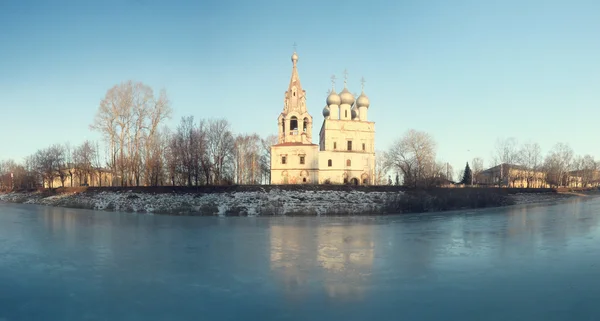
[293,172]
[334,138]
[361,167]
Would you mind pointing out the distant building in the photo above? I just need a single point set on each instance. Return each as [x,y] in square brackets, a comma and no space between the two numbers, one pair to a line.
[346,150]
[511,175]
[74,177]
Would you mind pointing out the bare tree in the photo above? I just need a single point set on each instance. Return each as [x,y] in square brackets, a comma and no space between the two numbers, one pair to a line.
[531,158]
[220,147]
[413,155]
[265,158]
[557,165]
[476,168]
[128,117]
[589,171]
[506,151]
[382,168]
[84,156]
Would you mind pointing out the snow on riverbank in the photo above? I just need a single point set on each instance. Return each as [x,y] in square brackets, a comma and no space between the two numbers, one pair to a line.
[274,202]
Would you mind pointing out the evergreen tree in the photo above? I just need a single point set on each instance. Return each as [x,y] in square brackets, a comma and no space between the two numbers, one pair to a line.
[468,176]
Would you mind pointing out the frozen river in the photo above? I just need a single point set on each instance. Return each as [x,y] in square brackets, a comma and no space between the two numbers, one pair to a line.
[519,263]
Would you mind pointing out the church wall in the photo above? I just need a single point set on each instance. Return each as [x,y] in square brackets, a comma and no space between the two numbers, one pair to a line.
[361,167]
[335,135]
[293,172]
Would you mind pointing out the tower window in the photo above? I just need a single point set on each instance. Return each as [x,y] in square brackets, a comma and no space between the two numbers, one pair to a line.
[349,145]
[294,123]
[283,159]
[334,145]
[348,162]
[305,124]
[304,179]
[294,94]
[364,147]
[346,113]
[329,163]
[301,159]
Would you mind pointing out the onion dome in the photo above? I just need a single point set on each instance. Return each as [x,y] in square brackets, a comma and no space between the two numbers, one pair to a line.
[346,97]
[354,113]
[333,98]
[326,111]
[294,57]
[363,101]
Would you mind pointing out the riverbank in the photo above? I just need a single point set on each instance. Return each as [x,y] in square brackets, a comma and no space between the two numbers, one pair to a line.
[297,200]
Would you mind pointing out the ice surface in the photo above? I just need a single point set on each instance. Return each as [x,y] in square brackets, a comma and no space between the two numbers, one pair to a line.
[517,263]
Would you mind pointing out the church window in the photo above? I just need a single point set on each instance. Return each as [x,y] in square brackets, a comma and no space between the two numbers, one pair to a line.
[365,181]
[301,159]
[305,124]
[348,162]
[329,163]
[304,179]
[294,123]
[346,113]
[334,145]
[283,159]
[349,145]
[294,94]
[364,147]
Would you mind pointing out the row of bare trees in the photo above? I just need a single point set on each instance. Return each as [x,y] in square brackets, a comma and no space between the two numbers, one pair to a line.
[207,152]
[412,158]
[140,150]
[560,167]
[57,163]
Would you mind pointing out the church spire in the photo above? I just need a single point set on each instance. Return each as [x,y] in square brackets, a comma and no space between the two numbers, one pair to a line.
[295,95]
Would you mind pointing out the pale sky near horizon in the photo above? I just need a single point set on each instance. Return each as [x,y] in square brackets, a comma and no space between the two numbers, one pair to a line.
[467,72]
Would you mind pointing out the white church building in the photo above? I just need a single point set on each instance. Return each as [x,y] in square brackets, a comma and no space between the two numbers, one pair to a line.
[346,150]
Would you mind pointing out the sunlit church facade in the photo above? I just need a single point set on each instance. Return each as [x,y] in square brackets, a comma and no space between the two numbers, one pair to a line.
[346,150]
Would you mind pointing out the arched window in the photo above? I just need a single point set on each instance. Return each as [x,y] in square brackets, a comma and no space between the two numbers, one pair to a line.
[305,124]
[348,162]
[329,163]
[294,123]
[346,113]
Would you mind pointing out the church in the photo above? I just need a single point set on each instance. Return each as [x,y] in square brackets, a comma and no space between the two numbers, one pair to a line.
[346,150]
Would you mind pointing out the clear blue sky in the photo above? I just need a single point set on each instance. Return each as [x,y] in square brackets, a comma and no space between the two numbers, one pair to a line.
[467,72]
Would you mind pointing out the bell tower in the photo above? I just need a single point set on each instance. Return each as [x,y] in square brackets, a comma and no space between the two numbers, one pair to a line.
[295,123]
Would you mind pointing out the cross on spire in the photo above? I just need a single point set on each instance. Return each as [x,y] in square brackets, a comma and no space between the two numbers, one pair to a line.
[294,45]
[332,82]
[362,83]
[345,77]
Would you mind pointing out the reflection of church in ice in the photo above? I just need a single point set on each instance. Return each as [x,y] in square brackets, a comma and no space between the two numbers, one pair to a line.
[346,149]
[340,255]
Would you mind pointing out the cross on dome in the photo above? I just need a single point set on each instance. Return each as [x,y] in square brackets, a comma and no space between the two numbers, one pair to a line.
[345,77]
